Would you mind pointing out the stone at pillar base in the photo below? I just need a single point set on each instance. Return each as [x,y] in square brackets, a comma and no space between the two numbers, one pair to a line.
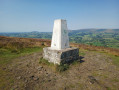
[60,56]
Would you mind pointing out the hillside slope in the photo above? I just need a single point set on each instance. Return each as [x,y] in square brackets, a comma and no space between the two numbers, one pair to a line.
[96,69]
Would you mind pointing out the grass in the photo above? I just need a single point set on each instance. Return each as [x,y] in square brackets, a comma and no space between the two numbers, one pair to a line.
[97,73]
[62,67]
[115,80]
[115,60]
[6,55]
[45,62]
[6,58]
[82,52]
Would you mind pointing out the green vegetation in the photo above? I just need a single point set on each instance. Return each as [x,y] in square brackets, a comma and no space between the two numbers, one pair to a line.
[34,34]
[96,37]
[45,62]
[62,67]
[115,59]
[115,80]
[7,56]
[82,52]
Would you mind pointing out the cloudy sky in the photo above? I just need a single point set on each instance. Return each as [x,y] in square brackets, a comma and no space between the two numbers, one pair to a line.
[39,15]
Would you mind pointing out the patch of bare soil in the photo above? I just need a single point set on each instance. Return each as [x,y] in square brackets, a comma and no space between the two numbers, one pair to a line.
[95,71]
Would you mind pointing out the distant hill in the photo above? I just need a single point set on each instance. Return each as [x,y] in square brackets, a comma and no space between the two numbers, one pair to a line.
[96,37]
[95,30]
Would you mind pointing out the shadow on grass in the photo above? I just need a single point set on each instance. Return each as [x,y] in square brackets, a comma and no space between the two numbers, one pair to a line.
[80,59]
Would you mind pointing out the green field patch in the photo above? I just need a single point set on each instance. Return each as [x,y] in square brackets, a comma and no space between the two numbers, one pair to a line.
[6,55]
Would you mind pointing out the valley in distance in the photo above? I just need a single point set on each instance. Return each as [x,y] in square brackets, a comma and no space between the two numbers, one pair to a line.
[22,66]
[96,37]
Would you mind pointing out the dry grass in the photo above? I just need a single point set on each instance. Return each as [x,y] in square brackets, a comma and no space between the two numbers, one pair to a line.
[18,43]
[112,51]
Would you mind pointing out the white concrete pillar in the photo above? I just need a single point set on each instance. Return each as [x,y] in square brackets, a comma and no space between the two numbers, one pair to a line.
[60,39]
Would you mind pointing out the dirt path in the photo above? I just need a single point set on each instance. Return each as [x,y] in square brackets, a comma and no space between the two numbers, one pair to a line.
[95,71]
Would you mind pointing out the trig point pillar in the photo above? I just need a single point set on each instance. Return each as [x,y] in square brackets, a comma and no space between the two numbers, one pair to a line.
[60,51]
[60,39]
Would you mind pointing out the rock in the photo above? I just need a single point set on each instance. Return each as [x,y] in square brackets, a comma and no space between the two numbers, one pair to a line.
[31,76]
[35,78]
[19,77]
[27,65]
[15,87]
[49,80]
[10,70]
[26,81]
[38,72]
[25,85]
[4,68]
[92,79]
[40,68]
[101,68]
[47,75]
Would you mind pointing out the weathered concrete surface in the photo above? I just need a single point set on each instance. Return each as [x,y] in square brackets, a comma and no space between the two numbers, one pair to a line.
[60,39]
[60,56]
